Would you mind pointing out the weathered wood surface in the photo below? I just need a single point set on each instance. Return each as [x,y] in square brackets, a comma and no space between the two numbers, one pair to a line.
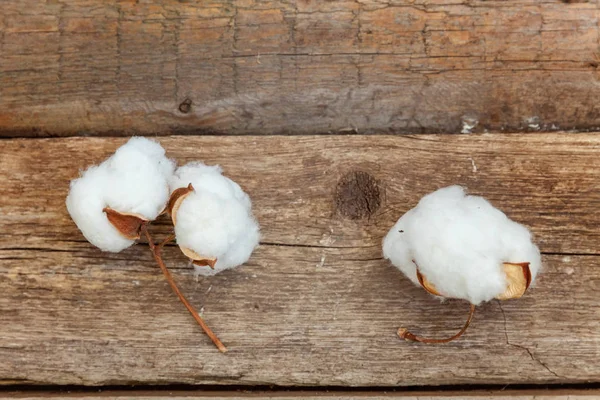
[316,304]
[299,66]
[158,395]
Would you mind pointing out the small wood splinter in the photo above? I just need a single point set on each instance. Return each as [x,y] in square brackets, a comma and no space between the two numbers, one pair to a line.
[403,333]
[156,249]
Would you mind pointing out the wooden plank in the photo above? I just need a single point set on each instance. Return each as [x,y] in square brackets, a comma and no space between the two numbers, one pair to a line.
[316,305]
[270,66]
[297,395]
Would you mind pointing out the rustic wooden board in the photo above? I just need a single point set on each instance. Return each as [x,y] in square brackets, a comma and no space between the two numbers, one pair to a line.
[299,66]
[179,395]
[316,304]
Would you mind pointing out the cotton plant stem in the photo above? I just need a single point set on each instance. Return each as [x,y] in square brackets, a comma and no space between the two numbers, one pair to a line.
[410,337]
[169,239]
[157,256]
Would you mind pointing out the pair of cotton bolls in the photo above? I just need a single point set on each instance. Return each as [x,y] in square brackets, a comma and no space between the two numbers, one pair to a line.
[460,246]
[112,204]
[213,218]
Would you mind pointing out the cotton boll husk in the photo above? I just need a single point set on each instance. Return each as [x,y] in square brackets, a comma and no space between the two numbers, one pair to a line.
[459,243]
[215,220]
[134,180]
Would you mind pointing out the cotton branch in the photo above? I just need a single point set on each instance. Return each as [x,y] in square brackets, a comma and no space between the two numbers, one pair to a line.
[410,337]
[156,251]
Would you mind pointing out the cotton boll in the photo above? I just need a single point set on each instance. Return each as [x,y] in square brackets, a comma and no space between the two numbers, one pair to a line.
[215,219]
[459,244]
[85,203]
[134,180]
[139,173]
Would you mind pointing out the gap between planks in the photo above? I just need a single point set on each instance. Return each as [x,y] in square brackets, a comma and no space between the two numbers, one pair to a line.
[293,394]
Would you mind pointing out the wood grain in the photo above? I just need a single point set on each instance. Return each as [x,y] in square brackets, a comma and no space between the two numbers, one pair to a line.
[297,395]
[316,305]
[96,67]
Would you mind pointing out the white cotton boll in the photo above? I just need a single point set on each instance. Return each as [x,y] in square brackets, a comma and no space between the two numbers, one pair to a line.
[215,220]
[134,180]
[85,203]
[459,243]
[139,174]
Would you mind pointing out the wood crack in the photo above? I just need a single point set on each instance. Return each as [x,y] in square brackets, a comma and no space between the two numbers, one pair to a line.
[533,358]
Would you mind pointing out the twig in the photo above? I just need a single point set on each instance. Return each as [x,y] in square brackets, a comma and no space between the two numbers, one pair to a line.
[406,335]
[167,240]
[156,252]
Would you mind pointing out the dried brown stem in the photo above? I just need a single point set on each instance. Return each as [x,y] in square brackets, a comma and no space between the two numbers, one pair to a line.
[167,240]
[157,256]
[408,336]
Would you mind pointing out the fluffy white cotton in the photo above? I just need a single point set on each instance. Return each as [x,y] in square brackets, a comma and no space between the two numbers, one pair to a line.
[133,180]
[459,243]
[216,219]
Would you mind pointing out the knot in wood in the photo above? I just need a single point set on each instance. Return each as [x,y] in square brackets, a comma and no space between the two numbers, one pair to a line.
[185,106]
[357,195]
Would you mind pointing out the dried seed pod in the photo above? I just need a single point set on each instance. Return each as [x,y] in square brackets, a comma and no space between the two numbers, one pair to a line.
[518,276]
[129,225]
[175,200]
[197,259]
[461,247]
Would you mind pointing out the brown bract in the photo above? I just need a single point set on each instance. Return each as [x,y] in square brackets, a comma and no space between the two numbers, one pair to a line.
[197,259]
[430,287]
[518,277]
[128,224]
[175,201]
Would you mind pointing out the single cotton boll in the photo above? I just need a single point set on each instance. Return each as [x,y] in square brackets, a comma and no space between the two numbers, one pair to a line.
[459,243]
[215,220]
[134,180]
[139,174]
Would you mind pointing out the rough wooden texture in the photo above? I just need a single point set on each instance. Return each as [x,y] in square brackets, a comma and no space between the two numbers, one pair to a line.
[316,304]
[158,395]
[299,66]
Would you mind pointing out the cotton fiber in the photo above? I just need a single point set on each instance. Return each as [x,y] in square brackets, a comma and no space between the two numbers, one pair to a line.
[459,243]
[134,180]
[214,220]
